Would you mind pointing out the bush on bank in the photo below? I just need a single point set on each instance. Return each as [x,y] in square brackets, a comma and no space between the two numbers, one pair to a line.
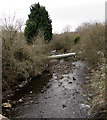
[62,42]
[20,61]
[92,44]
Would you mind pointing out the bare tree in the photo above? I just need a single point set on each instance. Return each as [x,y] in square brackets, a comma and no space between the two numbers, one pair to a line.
[10,29]
[67,29]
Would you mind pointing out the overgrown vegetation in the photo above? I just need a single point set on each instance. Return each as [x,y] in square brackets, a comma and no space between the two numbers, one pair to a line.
[62,42]
[76,39]
[92,47]
[92,42]
[20,60]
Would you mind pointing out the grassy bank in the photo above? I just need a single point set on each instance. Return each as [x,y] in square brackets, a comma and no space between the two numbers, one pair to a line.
[20,61]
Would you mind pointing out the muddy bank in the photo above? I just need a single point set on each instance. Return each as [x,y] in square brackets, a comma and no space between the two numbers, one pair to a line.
[61,95]
[11,90]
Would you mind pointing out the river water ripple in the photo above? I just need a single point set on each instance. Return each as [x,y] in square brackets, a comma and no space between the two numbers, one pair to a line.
[54,97]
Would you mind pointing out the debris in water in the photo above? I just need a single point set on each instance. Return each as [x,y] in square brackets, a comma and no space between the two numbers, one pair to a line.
[84,106]
[31,92]
[20,100]
[62,60]
[32,101]
[7,105]
[42,91]
[68,77]
[87,78]
[63,106]
[60,77]
[70,83]
[74,78]
[77,92]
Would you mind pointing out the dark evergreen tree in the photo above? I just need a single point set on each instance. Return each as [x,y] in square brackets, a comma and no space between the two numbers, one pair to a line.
[38,20]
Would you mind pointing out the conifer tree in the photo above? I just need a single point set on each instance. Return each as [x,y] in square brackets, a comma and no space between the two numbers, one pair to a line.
[38,20]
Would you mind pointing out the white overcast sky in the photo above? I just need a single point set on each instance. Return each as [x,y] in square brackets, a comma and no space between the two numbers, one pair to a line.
[62,12]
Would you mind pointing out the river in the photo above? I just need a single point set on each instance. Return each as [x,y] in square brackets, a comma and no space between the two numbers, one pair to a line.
[58,96]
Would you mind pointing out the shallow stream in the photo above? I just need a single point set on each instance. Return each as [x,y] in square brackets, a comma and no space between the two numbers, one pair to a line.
[56,96]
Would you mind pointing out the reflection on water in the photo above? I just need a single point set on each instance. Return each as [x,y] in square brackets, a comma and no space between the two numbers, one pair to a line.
[53,97]
[35,86]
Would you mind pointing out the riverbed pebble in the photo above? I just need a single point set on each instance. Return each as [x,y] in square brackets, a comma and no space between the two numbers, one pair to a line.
[21,100]
[74,78]
[63,105]
[7,105]
[32,101]
[70,82]
[31,92]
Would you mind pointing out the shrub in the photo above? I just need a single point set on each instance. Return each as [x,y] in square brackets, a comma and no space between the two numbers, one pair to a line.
[76,39]
[93,46]
[20,60]
[62,42]
[92,42]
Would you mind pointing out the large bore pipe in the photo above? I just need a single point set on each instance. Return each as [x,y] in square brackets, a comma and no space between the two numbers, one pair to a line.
[61,55]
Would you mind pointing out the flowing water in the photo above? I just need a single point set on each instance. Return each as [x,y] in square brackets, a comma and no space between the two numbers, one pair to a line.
[53,96]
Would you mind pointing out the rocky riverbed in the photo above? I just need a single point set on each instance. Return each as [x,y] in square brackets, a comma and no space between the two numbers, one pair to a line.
[62,95]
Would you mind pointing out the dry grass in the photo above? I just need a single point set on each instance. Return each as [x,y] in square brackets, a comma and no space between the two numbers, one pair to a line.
[62,42]
[20,60]
[92,42]
[92,45]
